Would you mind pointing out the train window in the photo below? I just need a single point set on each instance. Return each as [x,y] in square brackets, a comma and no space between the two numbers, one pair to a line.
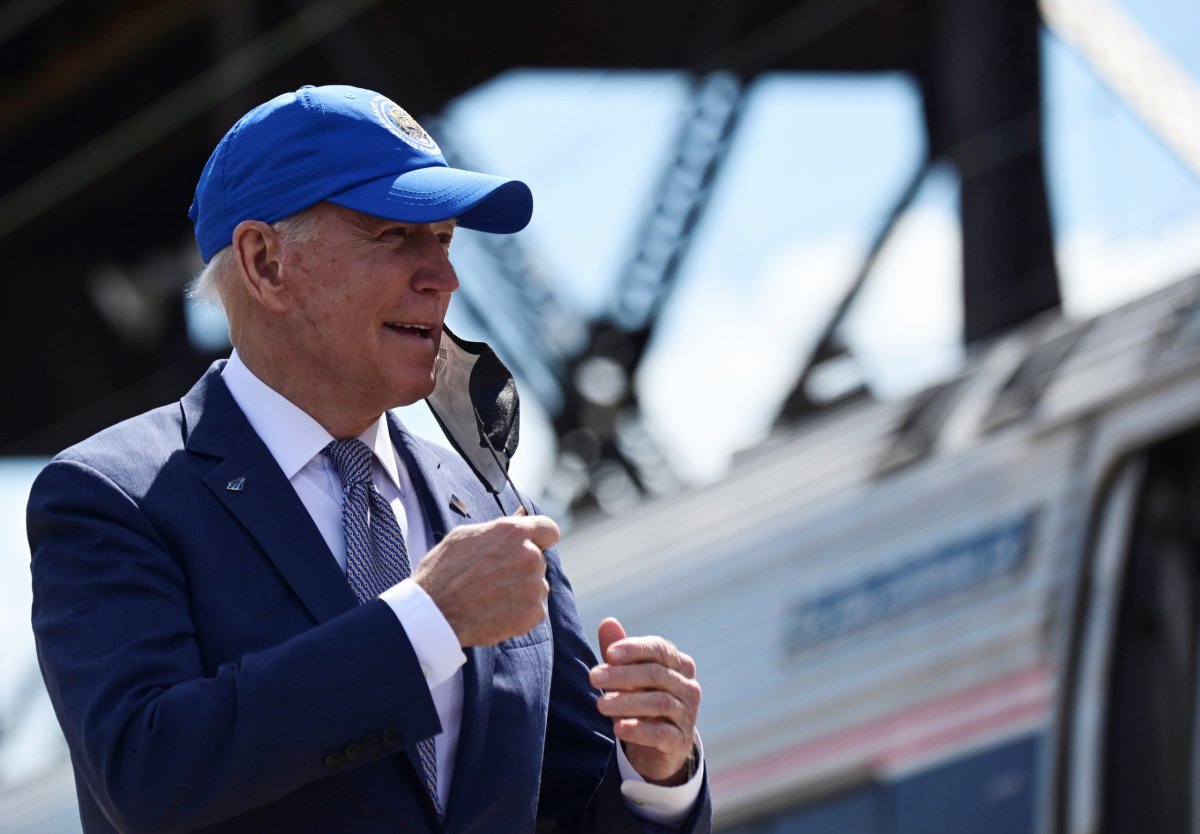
[918,433]
[1132,739]
[1183,336]
[1025,387]
[1149,745]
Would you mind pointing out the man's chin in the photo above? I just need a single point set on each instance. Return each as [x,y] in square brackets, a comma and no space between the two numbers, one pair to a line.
[414,392]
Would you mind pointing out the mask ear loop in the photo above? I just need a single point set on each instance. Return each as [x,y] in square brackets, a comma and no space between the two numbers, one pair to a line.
[496,457]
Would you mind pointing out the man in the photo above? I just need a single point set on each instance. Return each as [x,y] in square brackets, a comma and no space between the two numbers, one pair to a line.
[270,608]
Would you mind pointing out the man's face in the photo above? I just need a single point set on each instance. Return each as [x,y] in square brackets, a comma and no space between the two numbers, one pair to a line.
[368,298]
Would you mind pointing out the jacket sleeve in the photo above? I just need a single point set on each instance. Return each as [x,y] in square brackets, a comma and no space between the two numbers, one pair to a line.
[581,784]
[160,744]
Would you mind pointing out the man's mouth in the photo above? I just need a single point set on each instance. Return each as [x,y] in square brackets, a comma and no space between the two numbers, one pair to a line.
[421,331]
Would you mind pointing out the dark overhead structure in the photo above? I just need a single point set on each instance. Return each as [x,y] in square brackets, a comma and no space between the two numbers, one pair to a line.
[109,109]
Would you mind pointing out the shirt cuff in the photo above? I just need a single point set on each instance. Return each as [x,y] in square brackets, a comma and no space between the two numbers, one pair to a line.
[432,638]
[657,803]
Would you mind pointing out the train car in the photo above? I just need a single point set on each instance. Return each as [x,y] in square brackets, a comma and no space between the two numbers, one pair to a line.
[971,611]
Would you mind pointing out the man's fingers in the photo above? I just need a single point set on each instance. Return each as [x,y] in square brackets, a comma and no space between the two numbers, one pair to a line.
[660,735]
[633,676]
[610,631]
[640,676]
[646,705]
[540,529]
[632,650]
[647,677]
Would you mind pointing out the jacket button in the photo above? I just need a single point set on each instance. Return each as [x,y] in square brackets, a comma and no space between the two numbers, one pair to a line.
[335,760]
[372,744]
[391,737]
[353,751]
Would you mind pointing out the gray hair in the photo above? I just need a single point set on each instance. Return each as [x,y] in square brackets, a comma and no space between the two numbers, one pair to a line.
[207,286]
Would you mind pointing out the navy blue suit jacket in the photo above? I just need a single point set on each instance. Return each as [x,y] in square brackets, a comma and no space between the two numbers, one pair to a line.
[211,669]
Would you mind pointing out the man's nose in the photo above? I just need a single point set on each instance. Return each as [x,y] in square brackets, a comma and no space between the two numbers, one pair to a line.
[435,272]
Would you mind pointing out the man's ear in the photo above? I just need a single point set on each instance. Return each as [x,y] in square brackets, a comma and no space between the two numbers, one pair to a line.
[259,255]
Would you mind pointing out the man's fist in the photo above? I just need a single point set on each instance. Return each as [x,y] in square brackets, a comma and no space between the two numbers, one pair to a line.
[489,580]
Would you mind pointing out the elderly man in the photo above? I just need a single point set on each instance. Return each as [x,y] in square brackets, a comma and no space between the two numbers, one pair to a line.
[270,608]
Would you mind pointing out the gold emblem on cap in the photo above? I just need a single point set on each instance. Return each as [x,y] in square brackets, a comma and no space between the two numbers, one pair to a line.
[396,119]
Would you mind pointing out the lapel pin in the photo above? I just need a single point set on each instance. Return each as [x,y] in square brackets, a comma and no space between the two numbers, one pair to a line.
[459,506]
[237,484]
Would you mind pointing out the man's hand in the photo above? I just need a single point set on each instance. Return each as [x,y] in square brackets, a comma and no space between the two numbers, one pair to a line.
[489,580]
[652,697]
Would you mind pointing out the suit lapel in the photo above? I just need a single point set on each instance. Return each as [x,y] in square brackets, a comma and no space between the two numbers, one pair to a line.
[450,496]
[444,495]
[252,487]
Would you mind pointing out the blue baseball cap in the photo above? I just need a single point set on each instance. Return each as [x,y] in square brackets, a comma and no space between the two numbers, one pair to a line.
[348,146]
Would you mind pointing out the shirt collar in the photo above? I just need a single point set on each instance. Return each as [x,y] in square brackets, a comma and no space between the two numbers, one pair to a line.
[292,436]
[379,439]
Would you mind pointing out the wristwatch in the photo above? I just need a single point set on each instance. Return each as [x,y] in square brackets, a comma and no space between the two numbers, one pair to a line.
[691,765]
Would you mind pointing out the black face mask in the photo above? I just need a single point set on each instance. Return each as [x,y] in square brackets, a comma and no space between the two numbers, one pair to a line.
[475,402]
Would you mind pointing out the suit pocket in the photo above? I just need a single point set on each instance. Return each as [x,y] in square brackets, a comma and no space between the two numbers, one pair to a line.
[540,633]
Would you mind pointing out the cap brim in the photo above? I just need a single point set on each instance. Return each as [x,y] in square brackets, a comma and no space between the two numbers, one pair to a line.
[480,201]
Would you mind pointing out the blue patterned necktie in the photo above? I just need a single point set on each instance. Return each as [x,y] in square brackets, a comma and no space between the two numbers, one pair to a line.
[376,558]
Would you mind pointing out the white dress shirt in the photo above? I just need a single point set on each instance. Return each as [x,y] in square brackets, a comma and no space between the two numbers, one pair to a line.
[295,440]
